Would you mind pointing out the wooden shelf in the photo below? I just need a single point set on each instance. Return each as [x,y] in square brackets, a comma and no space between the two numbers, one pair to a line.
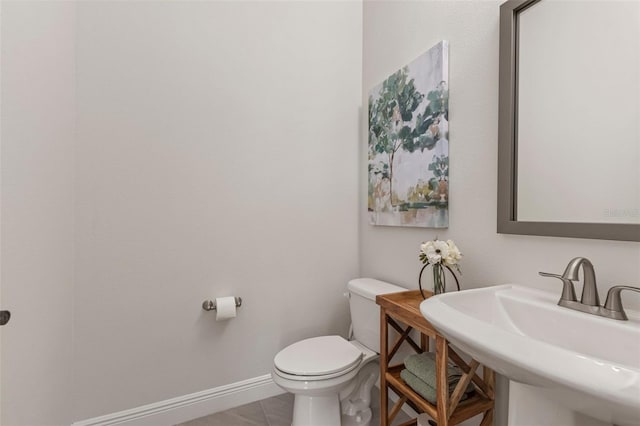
[474,405]
[404,308]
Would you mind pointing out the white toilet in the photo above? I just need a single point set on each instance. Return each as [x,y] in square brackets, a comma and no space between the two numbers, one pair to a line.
[331,377]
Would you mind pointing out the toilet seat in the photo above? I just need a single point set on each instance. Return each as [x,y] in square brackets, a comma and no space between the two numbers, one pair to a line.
[317,358]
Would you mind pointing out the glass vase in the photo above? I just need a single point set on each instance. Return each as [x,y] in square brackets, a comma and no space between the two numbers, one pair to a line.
[439,278]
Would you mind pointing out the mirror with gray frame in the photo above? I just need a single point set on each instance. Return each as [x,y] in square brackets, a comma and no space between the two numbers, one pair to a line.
[569,119]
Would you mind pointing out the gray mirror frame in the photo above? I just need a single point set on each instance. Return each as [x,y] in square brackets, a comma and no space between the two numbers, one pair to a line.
[507,149]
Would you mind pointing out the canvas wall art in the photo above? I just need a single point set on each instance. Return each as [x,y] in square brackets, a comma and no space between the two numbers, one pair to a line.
[409,144]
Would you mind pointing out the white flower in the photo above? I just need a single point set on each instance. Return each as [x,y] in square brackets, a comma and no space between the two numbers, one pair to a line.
[435,251]
[454,254]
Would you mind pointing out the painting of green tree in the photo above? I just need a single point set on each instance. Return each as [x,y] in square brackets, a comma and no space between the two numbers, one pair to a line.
[409,144]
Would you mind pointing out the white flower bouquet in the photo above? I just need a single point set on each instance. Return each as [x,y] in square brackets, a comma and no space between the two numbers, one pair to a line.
[440,255]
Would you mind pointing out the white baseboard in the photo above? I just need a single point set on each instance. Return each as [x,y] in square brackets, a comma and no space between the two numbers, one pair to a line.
[192,406]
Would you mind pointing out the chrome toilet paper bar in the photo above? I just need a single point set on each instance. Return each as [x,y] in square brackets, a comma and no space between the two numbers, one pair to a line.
[210,305]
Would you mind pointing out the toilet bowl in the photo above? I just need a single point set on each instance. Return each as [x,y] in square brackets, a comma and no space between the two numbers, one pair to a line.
[322,373]
[331,377]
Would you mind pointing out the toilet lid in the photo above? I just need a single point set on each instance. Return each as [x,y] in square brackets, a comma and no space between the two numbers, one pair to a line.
[318,356]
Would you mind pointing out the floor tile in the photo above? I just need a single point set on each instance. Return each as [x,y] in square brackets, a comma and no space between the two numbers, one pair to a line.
[276,411]
[245,415]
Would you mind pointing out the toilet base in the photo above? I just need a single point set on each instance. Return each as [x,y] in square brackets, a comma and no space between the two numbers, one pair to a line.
[316,410]
[363,418]
[356,406]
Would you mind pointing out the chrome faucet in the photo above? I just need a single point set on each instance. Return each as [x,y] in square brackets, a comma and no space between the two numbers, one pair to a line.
[590,289]
[589,301]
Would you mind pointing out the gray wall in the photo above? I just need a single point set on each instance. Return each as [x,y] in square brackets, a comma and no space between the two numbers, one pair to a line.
[38,122]
[216,156]
[212,152]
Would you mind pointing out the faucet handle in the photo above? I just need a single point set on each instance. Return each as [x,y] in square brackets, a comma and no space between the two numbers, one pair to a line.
[613,304]
[568,292]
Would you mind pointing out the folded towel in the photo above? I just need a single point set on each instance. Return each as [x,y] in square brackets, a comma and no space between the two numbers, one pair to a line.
[423,366]
[422,388]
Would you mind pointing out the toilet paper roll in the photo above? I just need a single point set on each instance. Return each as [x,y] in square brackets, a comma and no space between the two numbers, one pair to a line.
[225,308]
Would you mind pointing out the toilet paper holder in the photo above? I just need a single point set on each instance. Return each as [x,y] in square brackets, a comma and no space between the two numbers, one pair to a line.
[210,305]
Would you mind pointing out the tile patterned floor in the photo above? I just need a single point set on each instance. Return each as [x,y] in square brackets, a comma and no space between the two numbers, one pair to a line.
[274,411]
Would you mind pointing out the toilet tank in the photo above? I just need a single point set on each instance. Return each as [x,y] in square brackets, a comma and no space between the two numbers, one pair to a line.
[365,314]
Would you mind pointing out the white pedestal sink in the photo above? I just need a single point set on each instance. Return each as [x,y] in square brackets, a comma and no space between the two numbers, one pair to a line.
[577,361]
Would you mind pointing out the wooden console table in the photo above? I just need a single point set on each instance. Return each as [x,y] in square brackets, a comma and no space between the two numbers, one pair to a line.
[404,307]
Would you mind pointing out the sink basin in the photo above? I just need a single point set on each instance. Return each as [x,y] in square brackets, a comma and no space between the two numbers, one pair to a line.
[588,363]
